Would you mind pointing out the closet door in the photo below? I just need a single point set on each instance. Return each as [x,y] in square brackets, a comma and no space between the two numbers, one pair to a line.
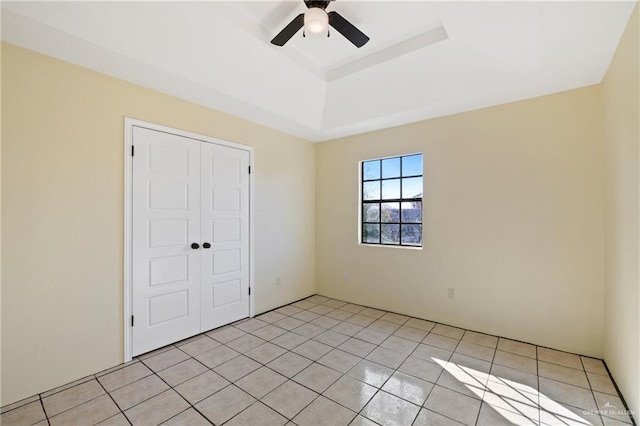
[224,210]
[165,223]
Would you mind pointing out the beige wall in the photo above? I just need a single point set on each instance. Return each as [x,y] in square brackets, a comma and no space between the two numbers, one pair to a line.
[621,93]
[512,221]
[62,191]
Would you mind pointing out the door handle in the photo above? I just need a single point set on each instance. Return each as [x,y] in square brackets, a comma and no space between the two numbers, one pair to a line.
[195,246]
[206,245]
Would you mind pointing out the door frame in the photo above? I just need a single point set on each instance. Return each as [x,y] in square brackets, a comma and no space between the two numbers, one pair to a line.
[129,124]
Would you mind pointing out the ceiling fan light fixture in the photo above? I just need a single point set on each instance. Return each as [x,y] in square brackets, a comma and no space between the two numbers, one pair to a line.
[316,20]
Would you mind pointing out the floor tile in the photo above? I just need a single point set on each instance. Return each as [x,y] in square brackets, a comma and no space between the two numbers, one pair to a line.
[606,402]
[237,368]
[107,371]
[602,384]
[477,351]
[136,392]
[260,382]
[223,405]
[321,309]
[518,348]
[271,317]
[89,413]
[339,360]
[157,409]
[350,307]
[335,304]
[563,374]
[257,415]
[387,409]
[441,342]
[453,405]
[196,347]
[117,420]
[289,340]
[408,388]
[480,339]
[265,353]
[399,344]
[245,343]
[317,377]
[496,416]
[420,324]
[182,372]
[372,336]
[289,399]
[165,359]
[360,320]
[324,412]
[124,376]
[593,365]
[331,338]
[431,353]
[517,362]
[217,356]
[339,315]
[325,322]
[373,313]
[250,325]
[430,418]
[350,393]
[448,331]
[518,379]
[316,298]
[421,369]
[395,318]
[504,398]
[371,373]
[72,397]
[383,326]
[288,310]
[306,316]
[19,404]
[553,392]
[386,357]
[289,323]
[202,386]
[304,304]
[27,414]
[410,333]
[225,334]
[560,358]
[156,352]
[465,375]
[188,417]
[347,328]
[289,364]
[312,349]
[362,421]
[308,330]
[357,347]
[269,332]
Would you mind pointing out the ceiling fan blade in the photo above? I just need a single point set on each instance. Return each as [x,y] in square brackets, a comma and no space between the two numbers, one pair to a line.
[347,29]
[289,31]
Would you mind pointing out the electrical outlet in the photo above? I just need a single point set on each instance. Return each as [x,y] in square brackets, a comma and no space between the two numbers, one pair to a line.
[451,294]
[278,280]
[345,276]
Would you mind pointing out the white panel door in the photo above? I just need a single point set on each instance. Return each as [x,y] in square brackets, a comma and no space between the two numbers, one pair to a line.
[225,235]
[165,223]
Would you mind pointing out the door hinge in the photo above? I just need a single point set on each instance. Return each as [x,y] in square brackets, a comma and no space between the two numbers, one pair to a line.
[131,320]
[132,150]
[249,291]
[249,169]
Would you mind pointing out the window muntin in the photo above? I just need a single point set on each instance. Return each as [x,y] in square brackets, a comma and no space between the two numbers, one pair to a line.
[391,204]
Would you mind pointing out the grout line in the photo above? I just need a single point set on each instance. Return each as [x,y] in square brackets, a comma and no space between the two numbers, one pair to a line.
[46,416]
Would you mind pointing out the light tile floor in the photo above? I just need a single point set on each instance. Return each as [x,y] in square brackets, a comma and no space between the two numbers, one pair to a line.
[321,361]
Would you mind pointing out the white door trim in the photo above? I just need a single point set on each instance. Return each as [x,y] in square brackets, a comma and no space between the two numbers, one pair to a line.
[129,124]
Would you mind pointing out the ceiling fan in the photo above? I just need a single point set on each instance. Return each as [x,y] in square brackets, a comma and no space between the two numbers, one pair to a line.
[317,20]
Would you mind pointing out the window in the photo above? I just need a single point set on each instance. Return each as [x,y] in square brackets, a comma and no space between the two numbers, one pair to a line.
[392,201]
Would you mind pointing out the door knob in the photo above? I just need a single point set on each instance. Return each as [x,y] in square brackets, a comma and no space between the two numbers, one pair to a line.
[195,246]
[206,245]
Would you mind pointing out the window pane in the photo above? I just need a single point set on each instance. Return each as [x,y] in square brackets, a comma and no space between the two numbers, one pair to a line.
[412,212]
[371,212]
[371,170]
[391,234]
[371,233]
[371,190]
[391,189]
[390,212]
[412,188]
[412,165]
[411,235]
[391,167]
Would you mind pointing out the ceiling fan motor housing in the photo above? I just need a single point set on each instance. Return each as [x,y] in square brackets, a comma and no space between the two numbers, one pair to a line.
[322,4]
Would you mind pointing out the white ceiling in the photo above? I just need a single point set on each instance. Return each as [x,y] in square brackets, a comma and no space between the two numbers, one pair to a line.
[424,60]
